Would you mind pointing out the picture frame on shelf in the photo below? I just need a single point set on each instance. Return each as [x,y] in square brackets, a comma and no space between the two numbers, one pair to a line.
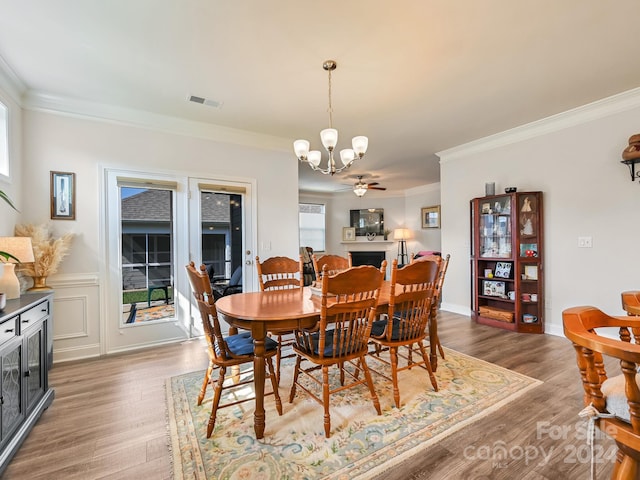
[348,234]
[503,270]
[530,272]
[493,289]
[431,217]
[63,195]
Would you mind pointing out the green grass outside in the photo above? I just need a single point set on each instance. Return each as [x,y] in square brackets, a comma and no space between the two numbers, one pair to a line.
[137,296]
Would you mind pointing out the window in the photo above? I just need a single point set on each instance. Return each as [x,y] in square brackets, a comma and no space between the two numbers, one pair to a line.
[4,140]
[312,226]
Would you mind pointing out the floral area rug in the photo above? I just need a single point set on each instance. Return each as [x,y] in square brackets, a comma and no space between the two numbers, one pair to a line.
[362,443]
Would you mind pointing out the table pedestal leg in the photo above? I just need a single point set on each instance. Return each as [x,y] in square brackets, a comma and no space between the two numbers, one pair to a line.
[259,335]
[433,342]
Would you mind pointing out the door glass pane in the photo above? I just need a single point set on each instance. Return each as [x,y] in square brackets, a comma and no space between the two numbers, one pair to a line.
[147,254]
[221,226]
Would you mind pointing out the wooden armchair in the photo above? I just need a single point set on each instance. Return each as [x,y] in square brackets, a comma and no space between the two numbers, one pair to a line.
[631,302]
[411,295]
[614,394]
[348,308]
[224,352]
[334,263]
[280,273]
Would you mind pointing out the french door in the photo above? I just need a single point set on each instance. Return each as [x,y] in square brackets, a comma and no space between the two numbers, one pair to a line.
[222,236]
[155,224]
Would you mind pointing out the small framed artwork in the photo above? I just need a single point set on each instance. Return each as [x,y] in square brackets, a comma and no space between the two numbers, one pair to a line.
[431,217]
[503,270]
[63,196]
[530,272]
[348,234]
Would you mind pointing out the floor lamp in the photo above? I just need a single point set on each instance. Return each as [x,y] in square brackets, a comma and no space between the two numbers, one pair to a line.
[401,234]
[20,248]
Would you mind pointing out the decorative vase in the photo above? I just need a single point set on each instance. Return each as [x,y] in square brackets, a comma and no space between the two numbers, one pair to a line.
[39,283]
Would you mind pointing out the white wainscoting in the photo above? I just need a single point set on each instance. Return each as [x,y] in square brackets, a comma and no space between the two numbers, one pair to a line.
[76,316]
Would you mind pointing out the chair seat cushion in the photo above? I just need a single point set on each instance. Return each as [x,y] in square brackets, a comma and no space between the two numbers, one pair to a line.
[328,345]
[242,344]
[615,398]
[378,327]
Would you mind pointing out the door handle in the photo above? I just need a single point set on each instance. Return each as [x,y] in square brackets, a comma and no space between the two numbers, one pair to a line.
[248,262]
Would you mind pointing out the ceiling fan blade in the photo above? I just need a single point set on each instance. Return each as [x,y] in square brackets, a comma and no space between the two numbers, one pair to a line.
[373,183]
[376,188]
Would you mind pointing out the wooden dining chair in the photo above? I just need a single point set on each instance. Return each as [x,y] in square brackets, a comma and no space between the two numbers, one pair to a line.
[443,265]
[410,299]
[225,352]
[348,308]
[280,273]
[616,396]
[631,302]
[334,263]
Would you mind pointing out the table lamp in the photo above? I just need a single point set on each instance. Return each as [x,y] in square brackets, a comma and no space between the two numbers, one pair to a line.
[21,248]
[401,234]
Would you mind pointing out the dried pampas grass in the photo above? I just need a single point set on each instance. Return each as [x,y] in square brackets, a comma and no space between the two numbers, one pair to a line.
[48,251]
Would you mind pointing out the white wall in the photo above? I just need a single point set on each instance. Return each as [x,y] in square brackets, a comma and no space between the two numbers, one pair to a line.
[574,158]
[85,146]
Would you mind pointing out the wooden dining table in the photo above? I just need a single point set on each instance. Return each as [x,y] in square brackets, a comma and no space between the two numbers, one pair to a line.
[283,310]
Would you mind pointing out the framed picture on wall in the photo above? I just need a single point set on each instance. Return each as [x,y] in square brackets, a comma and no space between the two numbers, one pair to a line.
[63,196]
[431,217]
[348,234]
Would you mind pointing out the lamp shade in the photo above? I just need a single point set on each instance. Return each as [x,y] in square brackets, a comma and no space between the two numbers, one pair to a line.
[401,233]
[19,247]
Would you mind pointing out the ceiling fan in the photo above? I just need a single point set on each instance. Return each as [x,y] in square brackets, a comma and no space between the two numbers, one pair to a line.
[360,187]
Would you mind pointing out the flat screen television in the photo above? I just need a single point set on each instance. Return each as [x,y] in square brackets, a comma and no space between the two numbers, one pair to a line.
[367,220]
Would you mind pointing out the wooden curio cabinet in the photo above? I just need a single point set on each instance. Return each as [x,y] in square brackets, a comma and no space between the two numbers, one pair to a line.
[507,254]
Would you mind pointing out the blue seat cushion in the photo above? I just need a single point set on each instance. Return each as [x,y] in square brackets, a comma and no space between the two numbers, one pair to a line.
[378,327]
[613,390]
[242,344]
[328,345]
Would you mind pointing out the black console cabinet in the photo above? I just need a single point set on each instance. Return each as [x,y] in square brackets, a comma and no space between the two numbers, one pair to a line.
[26,354]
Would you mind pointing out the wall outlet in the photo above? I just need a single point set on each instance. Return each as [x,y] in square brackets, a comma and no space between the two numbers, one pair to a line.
[585,242]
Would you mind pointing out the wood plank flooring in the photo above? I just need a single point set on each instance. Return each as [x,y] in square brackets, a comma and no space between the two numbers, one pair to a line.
[108,417]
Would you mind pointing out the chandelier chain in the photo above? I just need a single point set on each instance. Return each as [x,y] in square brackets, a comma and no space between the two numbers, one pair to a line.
[330,109]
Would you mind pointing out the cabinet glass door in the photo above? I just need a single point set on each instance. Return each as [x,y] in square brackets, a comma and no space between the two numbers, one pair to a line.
[495,228]
[34,373]
[11,400]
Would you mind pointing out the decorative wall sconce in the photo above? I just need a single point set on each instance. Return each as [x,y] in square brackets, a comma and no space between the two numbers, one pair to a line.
[631,156]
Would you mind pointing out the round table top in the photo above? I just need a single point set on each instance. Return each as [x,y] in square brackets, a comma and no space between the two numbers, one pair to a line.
[279,304]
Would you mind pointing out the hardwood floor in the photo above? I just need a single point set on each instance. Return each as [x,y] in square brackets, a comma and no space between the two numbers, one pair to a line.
[108,417]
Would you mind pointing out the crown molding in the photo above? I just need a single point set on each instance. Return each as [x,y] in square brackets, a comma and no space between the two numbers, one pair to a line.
[44,102]
[592,111]
[427,188]
[10,83]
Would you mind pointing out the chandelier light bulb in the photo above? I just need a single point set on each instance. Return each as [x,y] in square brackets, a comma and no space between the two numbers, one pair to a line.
[314,157]
[347,156]
[360,145]
[301,147]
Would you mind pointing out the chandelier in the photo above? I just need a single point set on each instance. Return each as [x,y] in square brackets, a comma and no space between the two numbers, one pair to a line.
[329,138]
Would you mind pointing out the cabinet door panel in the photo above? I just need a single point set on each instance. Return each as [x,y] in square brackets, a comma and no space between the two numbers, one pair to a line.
[11,399]
[34,372]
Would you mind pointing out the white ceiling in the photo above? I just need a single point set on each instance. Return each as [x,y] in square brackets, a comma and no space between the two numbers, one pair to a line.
[415,76]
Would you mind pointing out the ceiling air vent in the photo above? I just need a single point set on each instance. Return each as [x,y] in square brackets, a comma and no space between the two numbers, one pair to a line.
[204,101]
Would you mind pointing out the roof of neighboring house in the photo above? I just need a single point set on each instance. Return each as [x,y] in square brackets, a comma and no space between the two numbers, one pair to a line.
[154,205]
